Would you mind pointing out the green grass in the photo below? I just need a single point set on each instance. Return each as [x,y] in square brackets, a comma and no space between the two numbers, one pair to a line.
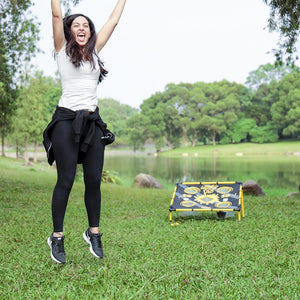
[145,257]
[247,149]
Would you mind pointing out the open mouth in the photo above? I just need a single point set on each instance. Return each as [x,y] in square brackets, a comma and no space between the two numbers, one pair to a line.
[81,37]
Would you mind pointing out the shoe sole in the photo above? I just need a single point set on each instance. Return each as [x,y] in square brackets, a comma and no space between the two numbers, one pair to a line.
[89,242]
[49,244]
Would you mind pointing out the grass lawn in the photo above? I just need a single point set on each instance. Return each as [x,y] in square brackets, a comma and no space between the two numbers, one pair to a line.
[246,149]
[145,257]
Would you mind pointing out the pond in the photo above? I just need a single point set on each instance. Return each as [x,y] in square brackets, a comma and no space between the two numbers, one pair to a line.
[267,171]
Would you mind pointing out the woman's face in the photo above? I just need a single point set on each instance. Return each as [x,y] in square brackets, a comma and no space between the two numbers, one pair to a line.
[81,30]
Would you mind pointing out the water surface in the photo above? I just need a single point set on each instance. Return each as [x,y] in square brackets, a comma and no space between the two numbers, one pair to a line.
[268,171]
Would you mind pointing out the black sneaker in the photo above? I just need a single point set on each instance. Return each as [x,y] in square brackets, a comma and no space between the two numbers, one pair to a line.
[56,245]
[94,240]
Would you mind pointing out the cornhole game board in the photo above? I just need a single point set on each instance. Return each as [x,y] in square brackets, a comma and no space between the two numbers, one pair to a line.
[208,196]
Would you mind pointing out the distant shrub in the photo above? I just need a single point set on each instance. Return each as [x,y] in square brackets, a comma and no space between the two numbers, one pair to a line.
[264,134]
[111,177]
[107,176]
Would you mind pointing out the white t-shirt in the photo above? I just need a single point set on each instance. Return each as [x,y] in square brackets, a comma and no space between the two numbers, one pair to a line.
[79,85]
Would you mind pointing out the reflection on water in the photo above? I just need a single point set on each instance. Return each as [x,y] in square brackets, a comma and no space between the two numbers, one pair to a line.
[281,172]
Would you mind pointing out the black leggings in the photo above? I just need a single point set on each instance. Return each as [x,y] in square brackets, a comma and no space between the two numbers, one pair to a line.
[66,155]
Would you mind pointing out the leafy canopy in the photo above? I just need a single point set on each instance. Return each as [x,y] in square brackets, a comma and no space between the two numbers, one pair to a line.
[285,18]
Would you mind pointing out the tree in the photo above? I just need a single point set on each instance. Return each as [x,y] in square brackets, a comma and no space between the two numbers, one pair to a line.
[176,113]
[259,108]
[137,127]
[116,115]
[239,131]
[285,18]
[193,118]
[32,114]
[19,33]
[264,134]
[285,111]
[51,92]
[267,73]
[67,5]
[221,107]
[153,109]
[172,133]
[262,82]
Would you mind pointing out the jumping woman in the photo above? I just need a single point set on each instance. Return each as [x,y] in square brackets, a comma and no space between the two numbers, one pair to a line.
[76,133]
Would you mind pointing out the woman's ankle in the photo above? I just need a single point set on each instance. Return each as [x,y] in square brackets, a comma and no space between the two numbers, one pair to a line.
[94,230]
[58,234]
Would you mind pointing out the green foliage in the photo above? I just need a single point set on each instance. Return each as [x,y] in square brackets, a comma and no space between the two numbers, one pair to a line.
[19,33]
[110,177]
[67,5]
[223,111]
[184,113]
[239,131]
[264,82]
[261,102]
[285,111]
[107,176]
[190,110]
[199,257]
[116,115]
[35,106]
[285,19]
[293,129]
[155,112]
[264,134]
[267,73]
[137,127]
[248,149]
[51,92]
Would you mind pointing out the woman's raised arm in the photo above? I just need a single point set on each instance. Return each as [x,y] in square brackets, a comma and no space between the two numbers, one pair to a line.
[108,28]
[57,23]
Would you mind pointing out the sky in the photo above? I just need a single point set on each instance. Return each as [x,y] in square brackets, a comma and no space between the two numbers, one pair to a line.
[170,41]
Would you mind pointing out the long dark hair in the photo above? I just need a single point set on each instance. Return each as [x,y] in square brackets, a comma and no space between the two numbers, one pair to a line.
[73,49]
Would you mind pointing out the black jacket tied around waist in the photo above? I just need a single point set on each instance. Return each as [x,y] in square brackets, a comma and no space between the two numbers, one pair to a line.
[80,119]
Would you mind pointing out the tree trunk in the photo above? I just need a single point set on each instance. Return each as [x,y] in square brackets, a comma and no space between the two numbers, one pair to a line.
[171,135]
[35,152]
[17,150]
[185,137]
[26,151]
[194,139]
[3,153]
[214,138]
[169,144]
